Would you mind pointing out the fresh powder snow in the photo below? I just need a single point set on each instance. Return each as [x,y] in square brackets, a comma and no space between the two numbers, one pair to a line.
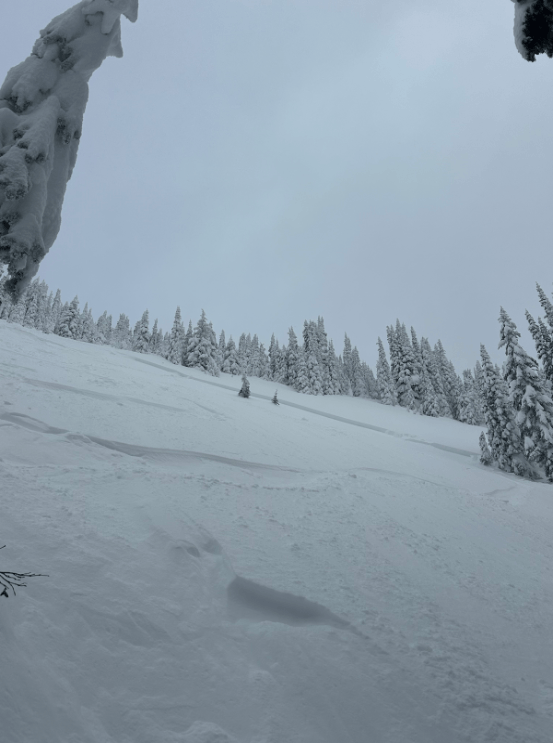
[224,569]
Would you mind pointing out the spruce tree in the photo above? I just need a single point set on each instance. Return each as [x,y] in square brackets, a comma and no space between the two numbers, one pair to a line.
[69,320]
[141,340]
[532,407]
[334,371]
[302,382]
[202,347]
[357,379]
[230,361]
[486,456]
[291,359]
[176,339]
[385,384]
[274,400]
[244,392]
[122,332]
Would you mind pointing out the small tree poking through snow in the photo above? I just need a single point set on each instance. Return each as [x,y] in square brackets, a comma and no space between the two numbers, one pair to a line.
[274,399]
[244,392]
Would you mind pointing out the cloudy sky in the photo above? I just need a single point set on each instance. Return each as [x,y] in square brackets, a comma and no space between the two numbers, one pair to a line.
[275,160]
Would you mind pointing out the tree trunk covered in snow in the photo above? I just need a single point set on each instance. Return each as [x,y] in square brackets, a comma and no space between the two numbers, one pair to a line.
[42,103]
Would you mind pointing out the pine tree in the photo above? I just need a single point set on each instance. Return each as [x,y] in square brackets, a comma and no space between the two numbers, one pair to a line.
[101,330]
[153,346]
[69,320]
[121,335]
[404,389]
[291,359]
[347,360]
[502,431]
[468,401]
[244,392]
[187,343]
[274,358]
[31,305]
[203,346]
[141,337]
[357,379]
[323,347]
[302,382]
[176,340]
[334,371]
[221,351]
[87,326]
[253,368]
[447,377]
[230,361]
[242,353]
[263,366]
[17,310]
[54,318]
[394,353]
[486,456]
[533,408]
[385,384]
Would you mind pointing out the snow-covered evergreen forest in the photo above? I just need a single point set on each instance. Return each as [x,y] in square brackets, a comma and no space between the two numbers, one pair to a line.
[515,401]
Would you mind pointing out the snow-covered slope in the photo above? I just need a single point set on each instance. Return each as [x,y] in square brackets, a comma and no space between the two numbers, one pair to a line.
[226,569]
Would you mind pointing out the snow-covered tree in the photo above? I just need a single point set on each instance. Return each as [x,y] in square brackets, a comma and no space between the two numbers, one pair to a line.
[230,360]
[532,407]
[385,384]
[176,339]
[141,337]
[42,103]
[333,371]
[244,392]
[302,381]
[357,379]
[291,357]
[502,431]
[533,28]
[69,320]
[122,332]
[202,349]
[486,456]
[87,325]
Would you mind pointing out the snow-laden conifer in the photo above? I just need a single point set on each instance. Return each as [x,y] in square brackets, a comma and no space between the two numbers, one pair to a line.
[333,371]
[87,325]
[203,346]
[291,359]
[244,392]
[385,384]
[302,381]
[323,346]
[121,334]
[230,359]
[263,364]
[432,371]
[357,379]
[141,337]
[347,360]
[176,340]
[532,407]
[275,399]
[502,431]
[186,343]
[486,456]
[42,103]
[69,320]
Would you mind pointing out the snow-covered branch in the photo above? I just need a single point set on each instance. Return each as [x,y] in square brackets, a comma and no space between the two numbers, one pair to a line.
[42,104]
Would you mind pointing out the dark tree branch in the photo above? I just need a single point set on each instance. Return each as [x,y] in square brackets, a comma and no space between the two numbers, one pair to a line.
[11,579]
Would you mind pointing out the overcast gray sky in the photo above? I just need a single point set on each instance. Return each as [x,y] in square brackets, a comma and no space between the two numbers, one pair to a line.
[275,160]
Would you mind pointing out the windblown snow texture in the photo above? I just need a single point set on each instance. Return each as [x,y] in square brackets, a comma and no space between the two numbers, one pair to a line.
[42,104]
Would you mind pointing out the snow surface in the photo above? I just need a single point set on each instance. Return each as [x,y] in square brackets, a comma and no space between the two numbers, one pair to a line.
[222,569]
